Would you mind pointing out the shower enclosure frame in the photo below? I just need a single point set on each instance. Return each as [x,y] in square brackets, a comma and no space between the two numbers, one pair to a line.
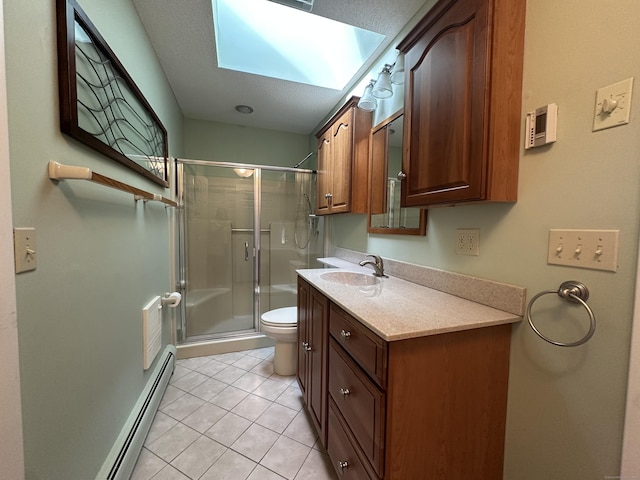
[181,284]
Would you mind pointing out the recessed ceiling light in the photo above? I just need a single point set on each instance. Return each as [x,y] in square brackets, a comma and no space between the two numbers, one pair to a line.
[246,109]
[243,172]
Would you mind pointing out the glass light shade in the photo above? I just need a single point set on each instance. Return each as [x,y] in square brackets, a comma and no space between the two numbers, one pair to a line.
[382,89]
[368,102]
[397,73]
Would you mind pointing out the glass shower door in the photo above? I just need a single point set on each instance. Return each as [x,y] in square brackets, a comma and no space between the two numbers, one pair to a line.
[289,238]
[218,259]
[241,239]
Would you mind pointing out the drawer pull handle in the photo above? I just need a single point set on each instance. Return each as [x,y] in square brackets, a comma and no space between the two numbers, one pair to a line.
[345,335]
[345,391]
[343,465]
[306,347]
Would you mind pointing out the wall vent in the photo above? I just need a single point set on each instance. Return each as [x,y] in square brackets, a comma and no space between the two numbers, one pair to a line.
[151,330]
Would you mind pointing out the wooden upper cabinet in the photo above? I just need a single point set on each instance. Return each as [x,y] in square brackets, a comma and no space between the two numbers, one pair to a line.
[341,140]
[324,173]
[343,161]
[463,88]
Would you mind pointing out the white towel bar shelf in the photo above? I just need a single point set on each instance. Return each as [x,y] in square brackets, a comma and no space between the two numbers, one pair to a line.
[58,171]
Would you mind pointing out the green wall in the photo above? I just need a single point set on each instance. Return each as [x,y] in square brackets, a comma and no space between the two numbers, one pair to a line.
[566,405]
[101,256]
[222,142]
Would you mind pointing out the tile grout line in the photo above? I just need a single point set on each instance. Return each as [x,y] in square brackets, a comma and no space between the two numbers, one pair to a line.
[195,367]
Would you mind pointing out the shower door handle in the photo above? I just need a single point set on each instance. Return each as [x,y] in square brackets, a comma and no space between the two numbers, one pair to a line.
[246,251]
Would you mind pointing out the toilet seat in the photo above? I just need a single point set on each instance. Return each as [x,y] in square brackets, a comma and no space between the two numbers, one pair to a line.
[281,317]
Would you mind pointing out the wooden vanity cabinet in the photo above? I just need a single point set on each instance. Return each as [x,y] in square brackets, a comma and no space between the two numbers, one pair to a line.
[302,368]
[463,93]
[313,321]
[343,161]
[431,407]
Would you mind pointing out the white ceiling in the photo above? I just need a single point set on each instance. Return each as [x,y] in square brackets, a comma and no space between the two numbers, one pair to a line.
[181,32]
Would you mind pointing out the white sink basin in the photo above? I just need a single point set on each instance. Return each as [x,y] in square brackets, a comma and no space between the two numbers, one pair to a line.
[350,278]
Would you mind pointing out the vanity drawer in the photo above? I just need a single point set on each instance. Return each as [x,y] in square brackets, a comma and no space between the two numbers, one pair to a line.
[342,452]
[360,402]
[364,346]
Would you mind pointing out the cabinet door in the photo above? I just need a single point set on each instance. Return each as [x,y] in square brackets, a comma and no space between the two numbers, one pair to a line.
[342,153]
[302,371]
[343,161]
[324,173]
[318,360]
[379,171]
[445,111]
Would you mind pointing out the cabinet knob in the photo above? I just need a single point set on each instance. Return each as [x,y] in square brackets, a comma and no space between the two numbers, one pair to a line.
[328,195]
[401,175]
[345,335]
[345,391]
[306,347]
[343,465]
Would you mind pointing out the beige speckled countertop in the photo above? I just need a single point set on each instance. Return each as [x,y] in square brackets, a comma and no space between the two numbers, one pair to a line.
[397,309]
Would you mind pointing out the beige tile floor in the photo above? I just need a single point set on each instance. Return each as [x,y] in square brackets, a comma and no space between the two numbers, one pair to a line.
[229,416]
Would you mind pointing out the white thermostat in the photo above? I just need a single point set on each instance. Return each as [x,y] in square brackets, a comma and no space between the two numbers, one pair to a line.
[541,126]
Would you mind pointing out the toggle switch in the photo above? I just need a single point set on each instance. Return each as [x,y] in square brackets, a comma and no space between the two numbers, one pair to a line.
[595,249]
[24,245]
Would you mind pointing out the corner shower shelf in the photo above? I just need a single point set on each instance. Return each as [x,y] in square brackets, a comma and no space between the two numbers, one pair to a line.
[58,171]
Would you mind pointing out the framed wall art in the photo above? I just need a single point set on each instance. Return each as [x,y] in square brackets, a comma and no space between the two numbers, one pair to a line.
[100,105]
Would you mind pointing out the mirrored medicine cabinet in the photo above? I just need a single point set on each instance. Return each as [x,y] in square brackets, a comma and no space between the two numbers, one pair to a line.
[385,214]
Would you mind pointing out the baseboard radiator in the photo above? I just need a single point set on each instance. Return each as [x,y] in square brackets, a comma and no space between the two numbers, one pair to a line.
[124,454]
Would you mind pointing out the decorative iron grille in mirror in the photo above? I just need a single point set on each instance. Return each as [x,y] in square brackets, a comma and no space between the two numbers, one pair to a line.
[100,105]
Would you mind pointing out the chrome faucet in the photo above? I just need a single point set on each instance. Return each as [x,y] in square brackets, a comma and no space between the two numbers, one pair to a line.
[377,263]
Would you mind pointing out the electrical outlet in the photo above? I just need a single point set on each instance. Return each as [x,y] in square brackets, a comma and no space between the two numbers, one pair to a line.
[468,241]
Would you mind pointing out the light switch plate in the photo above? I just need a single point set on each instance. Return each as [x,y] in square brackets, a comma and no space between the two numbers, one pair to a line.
[24,245]
[613,105]
[595,249]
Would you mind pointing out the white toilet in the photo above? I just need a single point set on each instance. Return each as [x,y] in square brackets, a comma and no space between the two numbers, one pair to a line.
[281,324]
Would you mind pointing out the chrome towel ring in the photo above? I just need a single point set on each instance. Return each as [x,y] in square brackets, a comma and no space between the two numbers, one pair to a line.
[574,292]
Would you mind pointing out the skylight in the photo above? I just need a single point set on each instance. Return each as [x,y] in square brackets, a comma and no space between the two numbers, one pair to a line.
[269,39]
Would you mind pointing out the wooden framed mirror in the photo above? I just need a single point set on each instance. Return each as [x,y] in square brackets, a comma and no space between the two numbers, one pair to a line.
[385,214]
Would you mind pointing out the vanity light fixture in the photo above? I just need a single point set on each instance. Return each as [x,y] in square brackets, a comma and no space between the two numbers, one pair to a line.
[368,102]
[397,72]
[382,88]
[246,109]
